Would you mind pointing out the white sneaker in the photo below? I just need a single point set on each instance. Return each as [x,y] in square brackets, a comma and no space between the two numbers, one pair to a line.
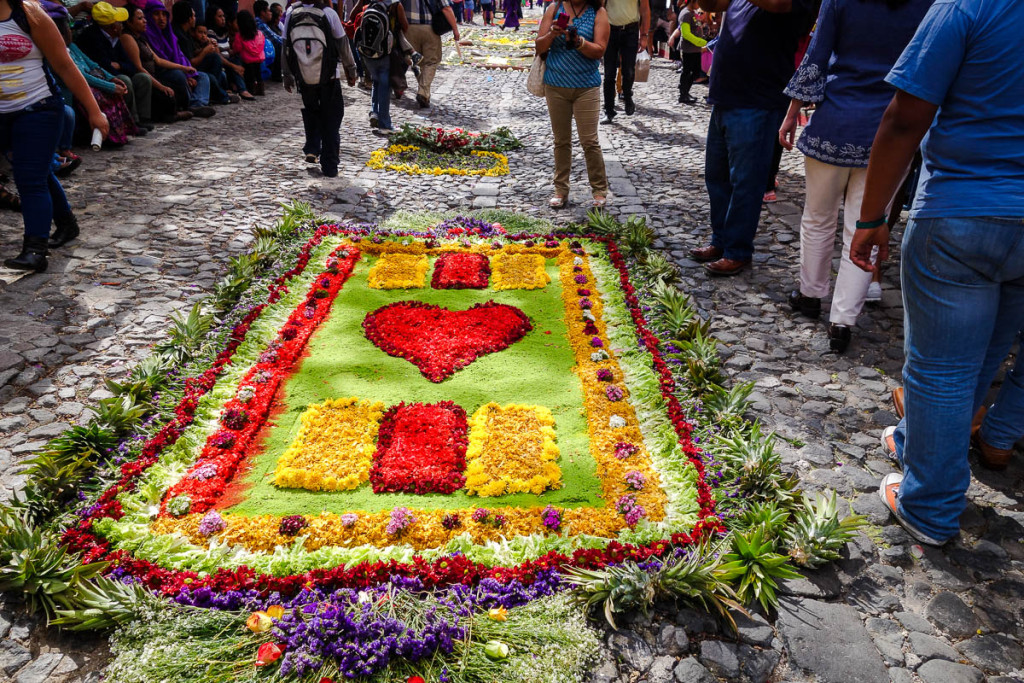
[888,491]
[874,292]
[889,442]
[374,121]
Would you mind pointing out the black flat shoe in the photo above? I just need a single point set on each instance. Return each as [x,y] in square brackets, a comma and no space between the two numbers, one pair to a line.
[838,337]
[805,305]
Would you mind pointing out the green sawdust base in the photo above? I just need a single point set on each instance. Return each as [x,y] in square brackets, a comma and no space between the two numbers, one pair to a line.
[342,362]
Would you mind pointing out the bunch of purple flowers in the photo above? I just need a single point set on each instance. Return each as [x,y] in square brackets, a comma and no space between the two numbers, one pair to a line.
[400,520]
[551,517]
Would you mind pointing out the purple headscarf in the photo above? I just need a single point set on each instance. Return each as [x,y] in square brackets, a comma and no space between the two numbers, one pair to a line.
[163,42]
[56,10]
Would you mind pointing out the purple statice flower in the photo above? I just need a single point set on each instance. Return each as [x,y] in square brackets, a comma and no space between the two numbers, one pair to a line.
[377,239]
[632,511]
[223,440]
[585,304]
[204,472]
[211,523]
[624,450]
[496,244]
[499,521]
[583,292]
[551,244]
[596,342]
[325,282]
[268,356]
[605,375]
[262,377]
[400,520]
[451,521]
[349,519]
[551,517]
[613,393]
[635,480]
[308,312]
[580,279]
[245,394]
[292,525]
[481,514]
[577,269]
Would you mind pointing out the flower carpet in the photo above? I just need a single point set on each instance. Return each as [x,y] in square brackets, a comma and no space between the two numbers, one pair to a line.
[491,49]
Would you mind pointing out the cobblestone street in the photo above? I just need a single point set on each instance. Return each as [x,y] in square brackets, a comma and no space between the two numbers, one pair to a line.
[161,217]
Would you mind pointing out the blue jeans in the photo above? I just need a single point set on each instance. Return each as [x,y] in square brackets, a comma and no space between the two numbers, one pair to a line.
[30,135]
[176,80]
[380,97]
[736,167]
[963,296]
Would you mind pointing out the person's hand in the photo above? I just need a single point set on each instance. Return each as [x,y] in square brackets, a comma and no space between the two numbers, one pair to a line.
[120,89]
[557,29]
[166,90]
[787,131]
[289,82]
[98,120]
[705,49]
[352,81]
[191,82]
[863,243]
[456,36]
[115,66]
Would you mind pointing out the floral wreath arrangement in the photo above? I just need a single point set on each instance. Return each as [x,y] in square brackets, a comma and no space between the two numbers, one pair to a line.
[426,150]
[336,467]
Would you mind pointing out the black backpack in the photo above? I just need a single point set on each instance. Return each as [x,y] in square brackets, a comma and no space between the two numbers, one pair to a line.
[374,39]
[310,47]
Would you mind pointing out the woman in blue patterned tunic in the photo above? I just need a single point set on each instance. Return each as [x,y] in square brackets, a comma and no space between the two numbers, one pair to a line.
[855,44]
[572,88]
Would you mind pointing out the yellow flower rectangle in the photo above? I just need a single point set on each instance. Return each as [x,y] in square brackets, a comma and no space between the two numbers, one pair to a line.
[511,450]
[399,271]
[334,448]
[518,271]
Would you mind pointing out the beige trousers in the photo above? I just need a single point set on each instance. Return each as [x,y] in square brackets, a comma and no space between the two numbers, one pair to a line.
[427,43]
[583,104]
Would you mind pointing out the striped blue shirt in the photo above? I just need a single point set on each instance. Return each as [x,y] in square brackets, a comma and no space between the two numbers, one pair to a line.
[568,68]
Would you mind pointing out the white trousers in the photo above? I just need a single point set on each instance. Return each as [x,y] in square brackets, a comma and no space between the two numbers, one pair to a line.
[826,187]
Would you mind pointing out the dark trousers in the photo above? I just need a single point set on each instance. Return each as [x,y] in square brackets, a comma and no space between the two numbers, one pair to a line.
[690,72]
[623,43]
[30,137]
[737,162]
[253,77]
[323,108]
[212,67]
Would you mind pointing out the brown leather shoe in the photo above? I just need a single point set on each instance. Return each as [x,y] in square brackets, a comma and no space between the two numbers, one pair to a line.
[706,254]
[897,401]
[726,267]
[990,458]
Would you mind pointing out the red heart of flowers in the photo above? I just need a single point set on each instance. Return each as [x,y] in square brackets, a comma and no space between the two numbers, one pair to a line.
[439,341]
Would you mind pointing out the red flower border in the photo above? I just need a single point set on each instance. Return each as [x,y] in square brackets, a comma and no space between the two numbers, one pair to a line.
[455,569]
[461,271]
[433,439]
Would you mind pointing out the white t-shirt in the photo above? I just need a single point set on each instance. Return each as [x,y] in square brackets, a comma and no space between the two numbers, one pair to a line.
[23,81]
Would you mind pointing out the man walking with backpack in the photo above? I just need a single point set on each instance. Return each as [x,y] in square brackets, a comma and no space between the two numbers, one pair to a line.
[428,21]
[315,50]
[375,39]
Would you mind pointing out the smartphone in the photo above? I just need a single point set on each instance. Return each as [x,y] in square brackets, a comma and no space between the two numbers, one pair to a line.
[562,20]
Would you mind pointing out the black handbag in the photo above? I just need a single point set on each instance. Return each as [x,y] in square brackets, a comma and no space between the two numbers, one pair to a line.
[438,21]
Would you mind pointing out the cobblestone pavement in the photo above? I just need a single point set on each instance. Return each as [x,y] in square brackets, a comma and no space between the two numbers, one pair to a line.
[161,218]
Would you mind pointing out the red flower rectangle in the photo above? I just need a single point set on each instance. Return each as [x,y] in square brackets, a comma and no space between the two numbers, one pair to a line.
[421,448]
[461,271]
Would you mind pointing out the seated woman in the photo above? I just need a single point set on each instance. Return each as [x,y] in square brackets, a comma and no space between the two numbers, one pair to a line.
[205,57]
[173,69]
[108,91]
[220,32]
[140,54]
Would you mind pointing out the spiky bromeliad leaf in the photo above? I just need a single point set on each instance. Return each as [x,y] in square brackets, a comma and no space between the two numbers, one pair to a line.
[94,441]
[185,336]
[817,534]
[697,578]
[601,222]
[750,459]
[725,403]
[636,238]
[625,587]
[103,603]
[700,354]
[756,565]
[121,413]
[657,266]
[766,514]
[34,563]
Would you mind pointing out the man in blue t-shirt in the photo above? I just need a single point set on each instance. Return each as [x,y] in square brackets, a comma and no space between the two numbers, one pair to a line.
[960,89]
[753,61]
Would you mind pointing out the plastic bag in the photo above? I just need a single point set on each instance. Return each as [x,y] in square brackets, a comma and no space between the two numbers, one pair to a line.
[643,67]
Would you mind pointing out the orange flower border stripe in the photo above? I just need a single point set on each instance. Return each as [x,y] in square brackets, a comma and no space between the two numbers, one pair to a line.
[334,448]
[399,271]
[512,450]
[518,271]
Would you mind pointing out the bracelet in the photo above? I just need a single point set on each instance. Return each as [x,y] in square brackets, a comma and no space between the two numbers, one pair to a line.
[871,225]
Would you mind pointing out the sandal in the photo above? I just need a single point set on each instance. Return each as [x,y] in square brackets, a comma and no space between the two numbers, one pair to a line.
[558,202]
[599,202]
[247,96]
[9,200]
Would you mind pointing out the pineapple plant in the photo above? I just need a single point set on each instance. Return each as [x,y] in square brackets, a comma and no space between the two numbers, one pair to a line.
[817,534]
[755,563]
[621,588]
[601,222]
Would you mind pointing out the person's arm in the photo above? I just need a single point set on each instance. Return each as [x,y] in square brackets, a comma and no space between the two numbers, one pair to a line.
[594,49]
[809,80]
[347,61]
[687,33]
[903,126]
[450,16]
[49,41]
[645,28]
[547,31]
[787,131]
[403,21]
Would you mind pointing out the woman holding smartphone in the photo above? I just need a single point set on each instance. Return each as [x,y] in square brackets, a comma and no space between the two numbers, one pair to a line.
[574,34]
[31,115]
